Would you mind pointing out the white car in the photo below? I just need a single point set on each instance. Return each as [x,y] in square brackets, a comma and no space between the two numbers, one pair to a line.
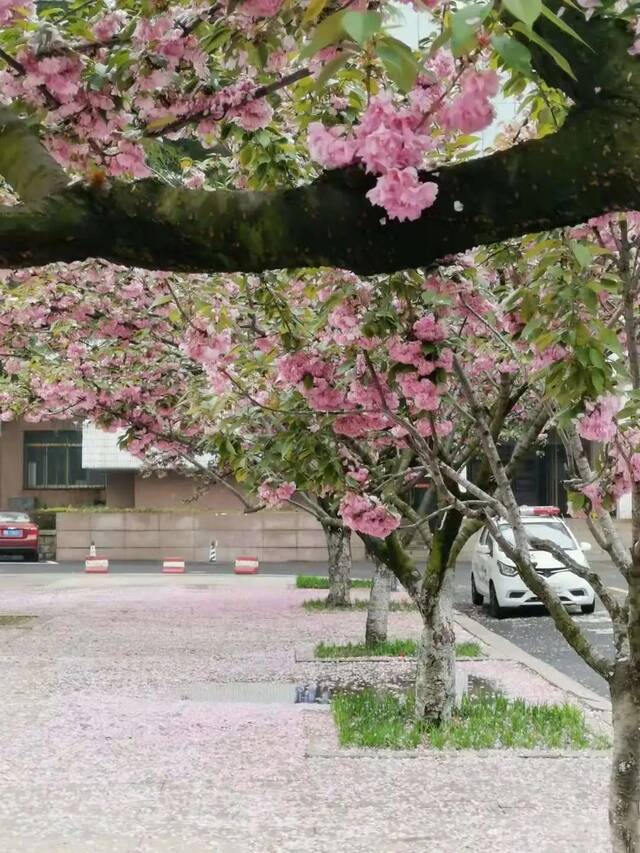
[494,577]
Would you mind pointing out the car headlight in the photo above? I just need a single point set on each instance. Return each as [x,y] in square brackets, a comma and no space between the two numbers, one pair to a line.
[509,571]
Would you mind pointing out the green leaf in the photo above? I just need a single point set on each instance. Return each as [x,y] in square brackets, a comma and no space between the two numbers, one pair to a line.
[581,253]
[527,11]
[361,26]
[560,61]
[314,10]
[610,339]
[551,16]
[326,33]
[464,25]
[161,300]
[399,62]
[513,54]
[329,69]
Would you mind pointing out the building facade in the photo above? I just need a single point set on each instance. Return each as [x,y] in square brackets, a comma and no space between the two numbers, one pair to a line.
[65,463]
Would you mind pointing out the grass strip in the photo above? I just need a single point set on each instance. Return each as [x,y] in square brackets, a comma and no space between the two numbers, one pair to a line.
[315,604]
[317,582]
[9,619]
[380,720]
[389,648]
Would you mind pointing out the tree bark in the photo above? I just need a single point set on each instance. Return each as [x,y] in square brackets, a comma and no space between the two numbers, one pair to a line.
[339,548]
[435,674]
[590,166]
[624,791]
[378,609]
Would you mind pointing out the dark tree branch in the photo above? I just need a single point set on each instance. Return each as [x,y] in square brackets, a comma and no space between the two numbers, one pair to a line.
[588,167]
[592,165]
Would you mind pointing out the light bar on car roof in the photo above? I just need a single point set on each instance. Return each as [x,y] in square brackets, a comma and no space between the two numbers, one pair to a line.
[540,510]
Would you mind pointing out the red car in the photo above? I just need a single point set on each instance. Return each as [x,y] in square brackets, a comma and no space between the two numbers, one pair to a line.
[18,535]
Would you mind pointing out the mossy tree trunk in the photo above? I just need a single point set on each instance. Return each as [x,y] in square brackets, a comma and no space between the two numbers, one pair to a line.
[436,666]
[339,551]
[624,790]
[432,593]
[378,609]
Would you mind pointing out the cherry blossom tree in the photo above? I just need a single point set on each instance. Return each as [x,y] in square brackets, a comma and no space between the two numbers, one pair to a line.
[573,326]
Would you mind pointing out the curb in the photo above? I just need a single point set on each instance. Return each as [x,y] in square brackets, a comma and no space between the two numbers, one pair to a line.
[500,647]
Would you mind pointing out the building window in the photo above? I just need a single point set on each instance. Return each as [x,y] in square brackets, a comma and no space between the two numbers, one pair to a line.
[53,460]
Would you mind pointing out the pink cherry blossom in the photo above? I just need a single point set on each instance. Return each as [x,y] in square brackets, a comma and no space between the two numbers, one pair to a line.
[276,495]
[598,422]
[368,515]
[330,146]
[427,328]
[402,194]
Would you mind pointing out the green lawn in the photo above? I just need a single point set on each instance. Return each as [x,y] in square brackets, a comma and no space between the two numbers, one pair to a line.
[315,604]
[385,721]
[390,648]
[317,582]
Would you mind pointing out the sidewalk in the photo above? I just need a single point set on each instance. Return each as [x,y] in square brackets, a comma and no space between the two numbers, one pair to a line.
[111,741]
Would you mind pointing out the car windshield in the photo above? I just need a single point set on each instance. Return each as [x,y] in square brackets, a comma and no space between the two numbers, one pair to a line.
[13,516]
[553,530]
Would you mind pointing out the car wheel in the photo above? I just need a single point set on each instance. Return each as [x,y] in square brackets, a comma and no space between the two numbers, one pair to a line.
[588,608]
[31,557]
[494,605]
[476,598]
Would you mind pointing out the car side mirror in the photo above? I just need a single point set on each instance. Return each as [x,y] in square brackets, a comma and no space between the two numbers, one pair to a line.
[586,546]
[483,549]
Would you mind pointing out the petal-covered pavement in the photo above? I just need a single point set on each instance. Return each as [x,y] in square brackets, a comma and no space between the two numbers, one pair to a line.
[113,736]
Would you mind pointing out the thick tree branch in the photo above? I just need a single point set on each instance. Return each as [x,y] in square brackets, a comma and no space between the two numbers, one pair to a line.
[25,163]
[590,166]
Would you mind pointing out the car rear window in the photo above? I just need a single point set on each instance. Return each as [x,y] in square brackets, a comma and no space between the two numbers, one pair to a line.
[13,517]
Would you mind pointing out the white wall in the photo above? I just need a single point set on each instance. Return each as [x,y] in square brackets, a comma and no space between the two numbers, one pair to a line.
[100,451]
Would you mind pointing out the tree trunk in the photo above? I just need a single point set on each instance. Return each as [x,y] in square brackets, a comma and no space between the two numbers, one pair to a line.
[435,675]
[624,792]
[339,548]
[378,609]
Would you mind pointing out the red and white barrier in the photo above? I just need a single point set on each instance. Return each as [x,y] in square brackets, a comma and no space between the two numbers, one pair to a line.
[96,565]
[246,566]
[173,566]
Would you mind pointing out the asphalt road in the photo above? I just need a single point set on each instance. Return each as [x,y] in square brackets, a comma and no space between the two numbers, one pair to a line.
[532,629]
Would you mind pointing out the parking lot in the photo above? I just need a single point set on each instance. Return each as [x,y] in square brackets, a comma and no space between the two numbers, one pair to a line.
[532,629]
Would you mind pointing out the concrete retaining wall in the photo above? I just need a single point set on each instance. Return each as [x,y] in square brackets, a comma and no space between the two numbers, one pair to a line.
[269,536]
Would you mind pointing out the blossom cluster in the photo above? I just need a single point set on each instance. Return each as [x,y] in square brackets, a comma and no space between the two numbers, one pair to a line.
[393,141]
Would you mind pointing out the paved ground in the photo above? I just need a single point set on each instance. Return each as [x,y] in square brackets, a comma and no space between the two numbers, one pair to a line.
[532,630]
[113,738]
